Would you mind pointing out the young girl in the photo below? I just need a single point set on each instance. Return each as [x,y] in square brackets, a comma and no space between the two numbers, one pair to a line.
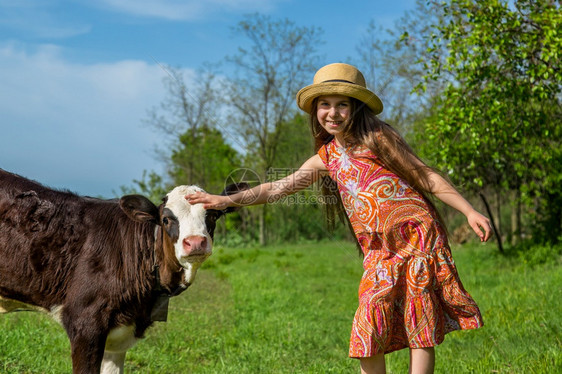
[410,294]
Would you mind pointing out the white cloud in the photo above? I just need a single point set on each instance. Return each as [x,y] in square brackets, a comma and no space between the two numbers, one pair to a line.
[188,9]
[76,126]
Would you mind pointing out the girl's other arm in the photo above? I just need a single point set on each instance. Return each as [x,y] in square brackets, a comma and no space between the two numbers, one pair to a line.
[450,196]
[268,192]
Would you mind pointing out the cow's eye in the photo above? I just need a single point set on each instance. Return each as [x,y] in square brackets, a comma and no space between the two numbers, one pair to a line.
[165,220]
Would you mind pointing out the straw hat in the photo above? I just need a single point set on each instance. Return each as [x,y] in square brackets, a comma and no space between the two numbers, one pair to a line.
[338,79]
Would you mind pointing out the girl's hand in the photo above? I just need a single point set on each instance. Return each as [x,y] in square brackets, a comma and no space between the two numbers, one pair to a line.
[218,202]
[480,224]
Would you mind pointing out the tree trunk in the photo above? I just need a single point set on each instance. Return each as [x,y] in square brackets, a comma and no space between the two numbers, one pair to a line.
[263,233]
[498,213]
[492,221]
[516,219]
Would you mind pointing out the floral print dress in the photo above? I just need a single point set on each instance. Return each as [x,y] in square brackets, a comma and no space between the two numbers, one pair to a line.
[410,294]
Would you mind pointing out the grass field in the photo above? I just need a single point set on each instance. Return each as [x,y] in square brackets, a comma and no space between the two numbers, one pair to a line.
[288,309]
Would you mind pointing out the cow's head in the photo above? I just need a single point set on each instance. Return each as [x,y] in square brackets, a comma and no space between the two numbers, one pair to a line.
[186,230]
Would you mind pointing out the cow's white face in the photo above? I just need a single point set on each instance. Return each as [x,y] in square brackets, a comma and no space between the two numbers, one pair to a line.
[194,239]
[189,228]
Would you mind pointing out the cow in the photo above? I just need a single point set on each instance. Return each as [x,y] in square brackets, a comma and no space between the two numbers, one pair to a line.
[104,269]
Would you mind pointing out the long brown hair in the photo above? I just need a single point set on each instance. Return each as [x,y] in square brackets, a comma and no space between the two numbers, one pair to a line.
[365,128]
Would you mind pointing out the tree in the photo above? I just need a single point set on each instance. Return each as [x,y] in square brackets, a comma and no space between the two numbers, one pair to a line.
[298,216]
[150,185]
[187,108]
[389,60]
[261,90]
[196,152]
[203,157]
[497,123]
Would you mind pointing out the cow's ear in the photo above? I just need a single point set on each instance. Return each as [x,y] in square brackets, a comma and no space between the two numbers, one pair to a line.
[235,187]
[232,189]
[139,208]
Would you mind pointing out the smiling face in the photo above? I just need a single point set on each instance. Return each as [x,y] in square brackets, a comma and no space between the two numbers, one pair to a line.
[334,114]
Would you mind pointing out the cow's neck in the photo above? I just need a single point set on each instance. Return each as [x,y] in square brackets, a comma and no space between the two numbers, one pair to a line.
[169,276]
[171,283]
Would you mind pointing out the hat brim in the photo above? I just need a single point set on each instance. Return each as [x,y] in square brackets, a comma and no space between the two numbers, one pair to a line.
[307,94]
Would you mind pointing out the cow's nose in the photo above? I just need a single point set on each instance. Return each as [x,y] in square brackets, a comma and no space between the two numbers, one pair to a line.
[195,245]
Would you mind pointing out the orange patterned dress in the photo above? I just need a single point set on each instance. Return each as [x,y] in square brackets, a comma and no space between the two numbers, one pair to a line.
[410,294]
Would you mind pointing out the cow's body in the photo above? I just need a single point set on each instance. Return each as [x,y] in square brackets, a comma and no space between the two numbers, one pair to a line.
[99,267]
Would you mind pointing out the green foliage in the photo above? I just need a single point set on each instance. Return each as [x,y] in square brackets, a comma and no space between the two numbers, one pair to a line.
[288,309]
[203,157]
[533,255]
[266,76]
[151,185]
[298,217]
[497,122]
[389,60]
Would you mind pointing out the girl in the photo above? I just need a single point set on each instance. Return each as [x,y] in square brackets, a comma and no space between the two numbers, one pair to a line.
[410,294]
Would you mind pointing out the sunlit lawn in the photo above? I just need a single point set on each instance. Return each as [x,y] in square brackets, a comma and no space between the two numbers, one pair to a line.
[288,309]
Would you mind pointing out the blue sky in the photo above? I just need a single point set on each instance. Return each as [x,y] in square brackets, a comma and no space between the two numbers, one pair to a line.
[78,77]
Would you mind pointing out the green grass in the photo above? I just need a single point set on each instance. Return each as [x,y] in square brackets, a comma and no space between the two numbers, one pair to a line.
[288,309]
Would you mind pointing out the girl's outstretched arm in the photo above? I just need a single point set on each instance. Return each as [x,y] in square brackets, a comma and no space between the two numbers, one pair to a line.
[450,196]
[268,192]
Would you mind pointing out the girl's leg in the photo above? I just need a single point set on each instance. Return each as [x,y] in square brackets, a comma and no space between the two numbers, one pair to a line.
[373,364]
[422,360]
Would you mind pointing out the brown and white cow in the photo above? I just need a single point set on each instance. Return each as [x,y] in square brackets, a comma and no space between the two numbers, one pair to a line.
[104,269]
